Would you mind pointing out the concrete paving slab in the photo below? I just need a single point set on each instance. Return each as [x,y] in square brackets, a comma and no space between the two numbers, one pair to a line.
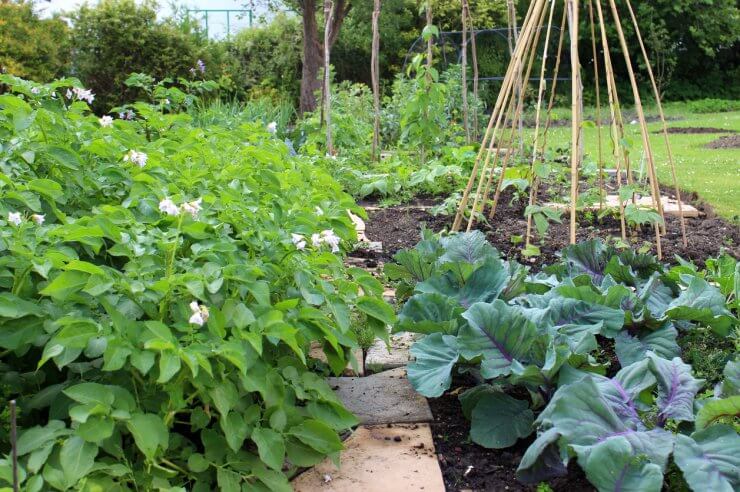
[380,358]
[383,398]
[670,205]
[388,458]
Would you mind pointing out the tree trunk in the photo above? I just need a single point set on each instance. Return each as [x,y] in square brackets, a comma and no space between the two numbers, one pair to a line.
[313,49]
[328,12]
[375,76]
[313,58]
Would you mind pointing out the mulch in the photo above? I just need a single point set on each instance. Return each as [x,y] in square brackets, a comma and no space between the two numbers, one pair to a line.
[727,142]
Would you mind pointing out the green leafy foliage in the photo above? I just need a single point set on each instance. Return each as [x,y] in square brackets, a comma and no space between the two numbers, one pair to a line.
[517,331]
[161,284]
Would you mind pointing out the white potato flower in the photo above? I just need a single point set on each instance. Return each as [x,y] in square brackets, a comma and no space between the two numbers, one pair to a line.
[272,127]
[15,218]
[200,314]
[106,121]
[134,157]
[331,239]
[299,241]
[192,207]
[168,207]
[38,218]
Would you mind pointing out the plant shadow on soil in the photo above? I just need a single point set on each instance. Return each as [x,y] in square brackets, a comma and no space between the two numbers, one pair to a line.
[400,228]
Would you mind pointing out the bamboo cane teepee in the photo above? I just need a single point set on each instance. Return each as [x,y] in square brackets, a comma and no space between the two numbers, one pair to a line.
[498,144]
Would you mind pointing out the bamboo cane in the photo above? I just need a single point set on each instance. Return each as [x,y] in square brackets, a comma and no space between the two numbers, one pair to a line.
[616,127]
[328,18]
[521,48]
[474,53]
[375,76]
[14,446]
[464,70]
[663,122]
[576,96]
[643,126]
[488,135]
[598,105]
[520,108]
[548,119]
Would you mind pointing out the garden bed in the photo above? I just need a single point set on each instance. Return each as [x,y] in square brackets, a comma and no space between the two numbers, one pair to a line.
[468,466]
[728,142]
[695,130]
[399,228]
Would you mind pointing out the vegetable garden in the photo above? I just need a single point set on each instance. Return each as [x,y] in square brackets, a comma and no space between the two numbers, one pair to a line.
[191,287]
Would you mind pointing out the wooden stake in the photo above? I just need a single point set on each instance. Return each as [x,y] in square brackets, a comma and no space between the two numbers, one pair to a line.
[518,113]
[375,77]
[488,135]
[476,77]
[598,105]
[508,89]
[643,126]
[464,69]
[616,127]
[658,102]
[576,96]
[556,71]
[14,445]
[328,18]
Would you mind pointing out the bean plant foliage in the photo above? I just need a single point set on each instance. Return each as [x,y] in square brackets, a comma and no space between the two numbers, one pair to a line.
[160,286]
[535,344]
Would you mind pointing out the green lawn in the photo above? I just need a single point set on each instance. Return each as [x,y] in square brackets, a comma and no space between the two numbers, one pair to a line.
[713,173]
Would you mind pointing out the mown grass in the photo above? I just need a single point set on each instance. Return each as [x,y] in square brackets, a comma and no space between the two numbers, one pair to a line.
[712,173]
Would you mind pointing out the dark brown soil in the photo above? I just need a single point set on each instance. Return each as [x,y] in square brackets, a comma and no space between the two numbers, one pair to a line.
[492,470]
[696,130]
[728,142]
[399,228]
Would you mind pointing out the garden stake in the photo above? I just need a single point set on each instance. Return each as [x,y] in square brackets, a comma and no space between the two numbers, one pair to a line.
[576,96]
[520,110]
[535,180]
[507,90]
[14,445]
[464,70]
[643,127]
[500,101]
[663,123]
[616,127]
[375,76]
[598,106]
[509,145]
[474,53]
[328,16]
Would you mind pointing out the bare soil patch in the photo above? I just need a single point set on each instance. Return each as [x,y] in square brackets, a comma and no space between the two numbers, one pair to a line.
[468,466]
[727,142]
[400,228]
[689,130]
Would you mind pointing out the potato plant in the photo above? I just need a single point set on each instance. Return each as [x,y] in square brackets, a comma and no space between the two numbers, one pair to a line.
[160,286]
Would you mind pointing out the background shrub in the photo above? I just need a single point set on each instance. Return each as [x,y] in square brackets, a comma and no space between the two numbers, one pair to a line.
[32,47]
[269,57]
[117,37]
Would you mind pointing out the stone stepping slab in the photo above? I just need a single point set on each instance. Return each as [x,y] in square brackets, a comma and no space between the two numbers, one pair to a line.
[383,398]
[383,458]
[380,358]
[670,205]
